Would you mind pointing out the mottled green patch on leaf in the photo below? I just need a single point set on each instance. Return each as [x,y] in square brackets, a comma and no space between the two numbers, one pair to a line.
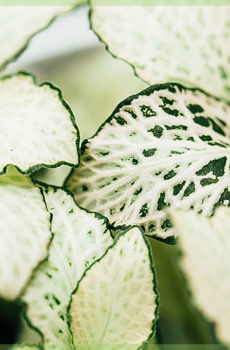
[217,167]
[206,138]
[202,121]
[147,111]
[144,210]
[195,108]
[120,120]
[170,174]
[190,189]
[176,127]
[149,152]
[170,111]
[157,131]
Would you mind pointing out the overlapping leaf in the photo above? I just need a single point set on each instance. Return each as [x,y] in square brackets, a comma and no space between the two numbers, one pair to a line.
[205,247]
[24,232]
[114,304]
[170,43]
[79,238]
[167,146]
[37,128]
[19,23]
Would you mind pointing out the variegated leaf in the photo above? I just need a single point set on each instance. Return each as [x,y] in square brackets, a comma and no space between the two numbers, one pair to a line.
[37,128]
[170,43]
[79,238]
[167,146]
[24,232]
[115,302]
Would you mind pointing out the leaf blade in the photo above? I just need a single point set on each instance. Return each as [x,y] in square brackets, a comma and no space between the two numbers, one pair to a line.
[25,232]
[190,50]
[41,129]
[79,238]
[166,146]
[97,321]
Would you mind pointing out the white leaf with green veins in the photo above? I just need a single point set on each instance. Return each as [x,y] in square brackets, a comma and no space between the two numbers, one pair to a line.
[37,128]
[205,247]
[20,23]
[79,238]
[24,232]
[167,146]
[170,43]
[114,305]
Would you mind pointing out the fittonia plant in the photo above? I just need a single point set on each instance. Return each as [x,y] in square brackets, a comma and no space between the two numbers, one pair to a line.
[81,238]
[42,133]
[162,150]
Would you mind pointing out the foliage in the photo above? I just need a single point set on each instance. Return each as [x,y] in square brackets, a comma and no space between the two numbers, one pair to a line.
[158,167]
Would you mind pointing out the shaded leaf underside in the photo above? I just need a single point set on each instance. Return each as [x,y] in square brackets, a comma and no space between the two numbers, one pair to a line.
[167,146]
[205,247]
